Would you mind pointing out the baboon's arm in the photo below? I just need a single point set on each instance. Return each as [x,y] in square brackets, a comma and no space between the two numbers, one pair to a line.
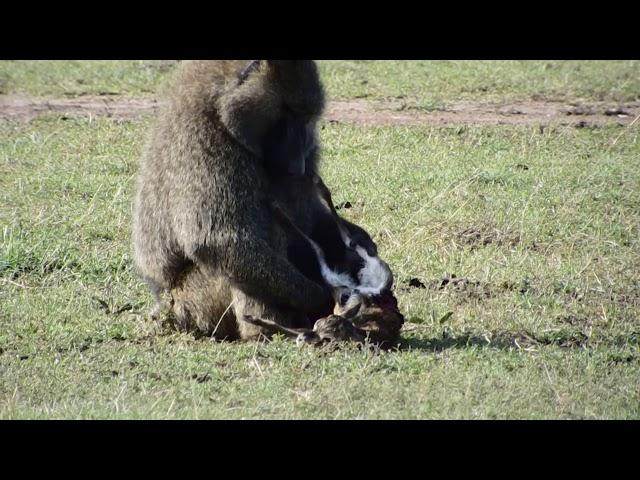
[285,222]
[253,265]
[259,271]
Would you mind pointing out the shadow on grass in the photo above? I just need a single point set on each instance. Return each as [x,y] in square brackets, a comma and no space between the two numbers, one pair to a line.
[503,340]
[439,344]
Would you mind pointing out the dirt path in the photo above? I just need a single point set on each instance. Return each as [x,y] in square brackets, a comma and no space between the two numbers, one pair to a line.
[25,108]
[488,113]
[361,112]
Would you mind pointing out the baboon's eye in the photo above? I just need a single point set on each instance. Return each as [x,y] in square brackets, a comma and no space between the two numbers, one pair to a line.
[352,244]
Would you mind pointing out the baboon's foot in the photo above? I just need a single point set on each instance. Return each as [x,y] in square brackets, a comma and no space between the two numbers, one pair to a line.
[156,312]
[163,304]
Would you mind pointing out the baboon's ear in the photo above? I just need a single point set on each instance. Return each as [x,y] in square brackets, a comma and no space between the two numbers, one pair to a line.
[253,66]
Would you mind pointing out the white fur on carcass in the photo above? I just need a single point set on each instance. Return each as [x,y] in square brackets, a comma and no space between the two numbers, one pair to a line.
[372,278]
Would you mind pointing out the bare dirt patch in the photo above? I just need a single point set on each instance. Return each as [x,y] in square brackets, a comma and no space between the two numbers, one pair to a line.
[489,113]
[362,112]
[14,107]
[463,288]
[483,236]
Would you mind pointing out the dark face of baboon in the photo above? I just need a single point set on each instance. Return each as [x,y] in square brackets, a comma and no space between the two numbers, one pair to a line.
[289,146]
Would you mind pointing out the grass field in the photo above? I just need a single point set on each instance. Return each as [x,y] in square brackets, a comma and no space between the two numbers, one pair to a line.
[424,84]
[540,226]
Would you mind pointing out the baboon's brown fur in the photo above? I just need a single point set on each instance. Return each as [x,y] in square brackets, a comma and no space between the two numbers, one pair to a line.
[203,227]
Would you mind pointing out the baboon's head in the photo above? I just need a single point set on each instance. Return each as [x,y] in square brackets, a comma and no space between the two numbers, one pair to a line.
[283,129]
[294,83]
[298,85]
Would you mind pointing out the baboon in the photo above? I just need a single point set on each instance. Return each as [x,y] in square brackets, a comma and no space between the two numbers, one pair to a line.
[203,224]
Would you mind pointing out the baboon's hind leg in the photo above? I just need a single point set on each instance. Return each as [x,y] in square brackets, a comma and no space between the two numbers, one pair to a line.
[246,305]
[206,303]
[202,302]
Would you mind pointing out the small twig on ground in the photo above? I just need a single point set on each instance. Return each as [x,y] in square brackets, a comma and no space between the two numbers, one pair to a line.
[624,131]
[6,280]
[221,317]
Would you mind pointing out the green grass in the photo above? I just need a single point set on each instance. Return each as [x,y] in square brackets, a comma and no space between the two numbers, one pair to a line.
[543,224]
[428,84]
[60,78]
[421,84]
